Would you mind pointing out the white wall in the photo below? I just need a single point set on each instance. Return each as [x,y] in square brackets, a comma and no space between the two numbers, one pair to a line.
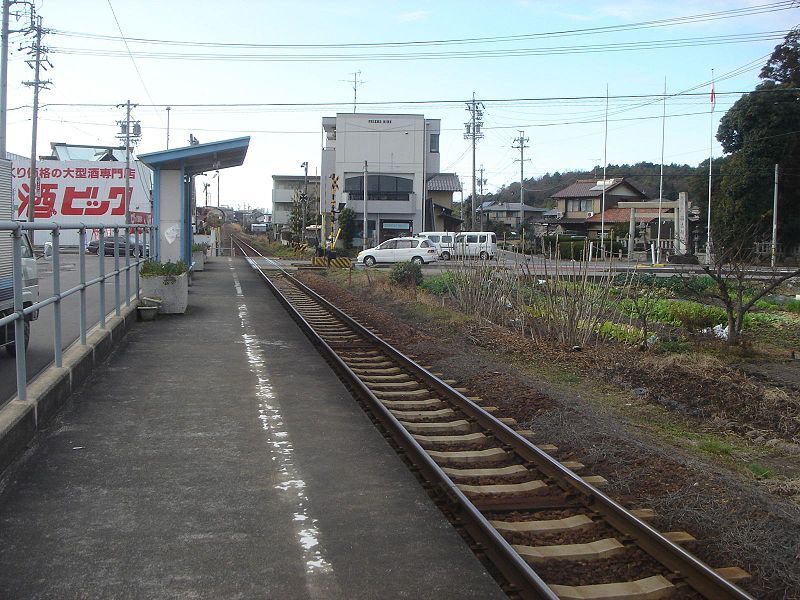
[170,216]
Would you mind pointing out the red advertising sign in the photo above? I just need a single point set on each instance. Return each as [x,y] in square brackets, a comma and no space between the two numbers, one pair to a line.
[71,192]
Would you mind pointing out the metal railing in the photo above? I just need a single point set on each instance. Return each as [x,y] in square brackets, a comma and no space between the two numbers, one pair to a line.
[21,311]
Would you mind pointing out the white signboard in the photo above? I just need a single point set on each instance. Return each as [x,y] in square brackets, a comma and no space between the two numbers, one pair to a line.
[76,191]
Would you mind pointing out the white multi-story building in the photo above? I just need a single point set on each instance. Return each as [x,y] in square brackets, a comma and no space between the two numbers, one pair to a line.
[284,190]
[402,155]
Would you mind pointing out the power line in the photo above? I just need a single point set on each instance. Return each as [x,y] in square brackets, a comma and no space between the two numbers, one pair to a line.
[448,55]
[127,47]
[431,102]
[673,21]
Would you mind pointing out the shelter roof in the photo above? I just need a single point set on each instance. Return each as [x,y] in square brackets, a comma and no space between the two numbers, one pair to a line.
[200,157]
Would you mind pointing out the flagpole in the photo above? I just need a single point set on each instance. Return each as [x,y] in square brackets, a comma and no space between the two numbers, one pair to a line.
[661,179]
[605,163]
[710,161]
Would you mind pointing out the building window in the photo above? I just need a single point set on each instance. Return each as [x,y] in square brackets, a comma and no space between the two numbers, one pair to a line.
[579,205]
[379,187]
[434,142]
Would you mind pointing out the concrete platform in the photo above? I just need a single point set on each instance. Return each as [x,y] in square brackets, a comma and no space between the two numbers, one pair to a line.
[216,456]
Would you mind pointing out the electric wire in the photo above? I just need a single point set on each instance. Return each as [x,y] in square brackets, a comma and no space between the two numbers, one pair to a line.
[683,43]
[135,66]
[688,19]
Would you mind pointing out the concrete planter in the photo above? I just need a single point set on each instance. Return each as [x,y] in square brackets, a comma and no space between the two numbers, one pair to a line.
[173,290]
[147,313]
[198,258]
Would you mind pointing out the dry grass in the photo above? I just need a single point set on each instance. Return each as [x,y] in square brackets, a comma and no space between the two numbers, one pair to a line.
[696,364]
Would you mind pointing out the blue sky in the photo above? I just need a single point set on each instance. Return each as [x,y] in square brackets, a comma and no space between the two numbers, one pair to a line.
[282,138]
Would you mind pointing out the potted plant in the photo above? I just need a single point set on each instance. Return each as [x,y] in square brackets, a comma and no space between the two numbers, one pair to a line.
[199,256]
[168,282]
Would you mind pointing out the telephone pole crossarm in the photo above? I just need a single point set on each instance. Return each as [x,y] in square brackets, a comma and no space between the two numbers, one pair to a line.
[522,141]
[474,131]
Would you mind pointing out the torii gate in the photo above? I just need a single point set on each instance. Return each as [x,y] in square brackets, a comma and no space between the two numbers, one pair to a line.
[680,208]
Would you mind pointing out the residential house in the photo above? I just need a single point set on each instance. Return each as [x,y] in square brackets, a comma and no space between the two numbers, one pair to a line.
[439,214]
[508,213]
[584,199]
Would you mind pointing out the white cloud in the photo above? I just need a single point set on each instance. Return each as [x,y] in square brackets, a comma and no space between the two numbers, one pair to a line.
[416,15]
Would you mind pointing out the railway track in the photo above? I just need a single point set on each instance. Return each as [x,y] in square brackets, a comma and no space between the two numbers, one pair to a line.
[549,532]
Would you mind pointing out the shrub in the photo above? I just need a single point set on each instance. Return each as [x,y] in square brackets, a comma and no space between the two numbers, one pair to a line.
[151,268]
[200,247]
[695,316]
[438,285]
[675,284]
[619,332]
[679,346]
[406,273]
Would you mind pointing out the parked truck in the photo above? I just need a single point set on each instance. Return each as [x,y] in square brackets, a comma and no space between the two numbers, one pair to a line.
[30,281]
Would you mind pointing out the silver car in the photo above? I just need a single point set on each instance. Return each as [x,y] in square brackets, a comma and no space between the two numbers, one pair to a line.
[405,249]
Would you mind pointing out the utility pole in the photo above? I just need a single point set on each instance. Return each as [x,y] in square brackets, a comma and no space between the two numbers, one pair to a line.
[206,185]
[356,82]
[481,183]
[4,64]
[4,77]
[36,64]
[130,137]
[217,176]
[366,230]
[521,140]
[304,202]
[474,132]
[169,108]
[774,249]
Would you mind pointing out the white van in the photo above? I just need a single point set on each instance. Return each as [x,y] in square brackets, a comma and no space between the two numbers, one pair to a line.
[443,240]
[475,244]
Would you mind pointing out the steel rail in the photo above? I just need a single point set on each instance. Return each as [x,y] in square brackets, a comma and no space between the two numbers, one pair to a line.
[514,568]
[697,574]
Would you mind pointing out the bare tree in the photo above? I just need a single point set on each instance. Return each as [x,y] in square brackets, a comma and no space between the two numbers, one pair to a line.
[739,281]
[568,304]
[643,295]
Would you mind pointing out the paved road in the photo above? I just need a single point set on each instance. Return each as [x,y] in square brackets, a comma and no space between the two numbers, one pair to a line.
[40,351]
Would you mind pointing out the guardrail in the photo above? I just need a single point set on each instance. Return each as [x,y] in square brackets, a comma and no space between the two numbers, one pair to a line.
[17,229]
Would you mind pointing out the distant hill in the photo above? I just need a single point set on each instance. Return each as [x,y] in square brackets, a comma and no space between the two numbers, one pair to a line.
[644,175]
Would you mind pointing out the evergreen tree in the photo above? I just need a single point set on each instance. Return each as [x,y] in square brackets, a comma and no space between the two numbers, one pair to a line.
[760,130]
[347,223]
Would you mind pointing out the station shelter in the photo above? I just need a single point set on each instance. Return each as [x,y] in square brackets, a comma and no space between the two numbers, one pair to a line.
[173,180]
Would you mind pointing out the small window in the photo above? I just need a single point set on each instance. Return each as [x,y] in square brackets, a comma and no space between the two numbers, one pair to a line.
[425,244]
[434,142]
[459,239]
[434,238]
[472,239]
[390,245]
[447,239]
[482,239]
[491,238]
[404,244]
[416,243]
